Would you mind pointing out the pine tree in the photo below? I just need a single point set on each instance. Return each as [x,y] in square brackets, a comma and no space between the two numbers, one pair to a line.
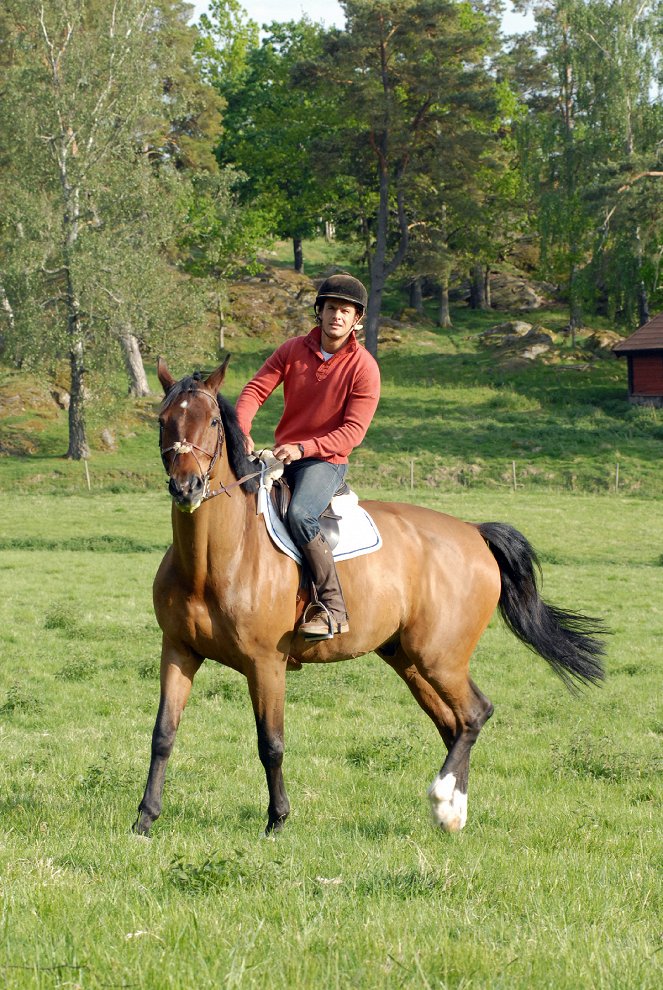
[411,72]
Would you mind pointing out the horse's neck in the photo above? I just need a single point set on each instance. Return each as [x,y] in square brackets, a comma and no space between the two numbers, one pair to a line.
[220,530]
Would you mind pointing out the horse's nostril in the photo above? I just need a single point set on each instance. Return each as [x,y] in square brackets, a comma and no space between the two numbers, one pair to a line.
[191,487]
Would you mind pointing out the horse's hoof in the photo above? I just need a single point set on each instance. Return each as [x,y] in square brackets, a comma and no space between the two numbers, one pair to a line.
[141,829]
[448,805]
[273,828]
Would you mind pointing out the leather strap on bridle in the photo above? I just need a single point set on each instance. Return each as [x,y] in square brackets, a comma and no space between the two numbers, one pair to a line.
[186,447]
[224,489]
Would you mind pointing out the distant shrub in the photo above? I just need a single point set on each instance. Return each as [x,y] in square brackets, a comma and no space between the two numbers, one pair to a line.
[62,616]
[17,700]
[105,775]
[77,669]
[148,670]
[216,873]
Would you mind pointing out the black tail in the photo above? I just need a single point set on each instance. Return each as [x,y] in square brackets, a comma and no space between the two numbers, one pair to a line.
[565,639]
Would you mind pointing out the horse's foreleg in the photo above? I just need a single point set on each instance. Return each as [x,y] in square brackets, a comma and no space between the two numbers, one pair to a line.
[267,688]
[178,668]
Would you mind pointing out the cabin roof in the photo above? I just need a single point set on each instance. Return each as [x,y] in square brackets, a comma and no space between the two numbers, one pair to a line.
[648,337]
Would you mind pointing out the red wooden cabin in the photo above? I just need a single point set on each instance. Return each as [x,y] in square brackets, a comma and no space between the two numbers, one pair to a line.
[643,351]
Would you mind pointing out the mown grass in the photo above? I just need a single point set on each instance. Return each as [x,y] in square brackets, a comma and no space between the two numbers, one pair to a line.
[554,883]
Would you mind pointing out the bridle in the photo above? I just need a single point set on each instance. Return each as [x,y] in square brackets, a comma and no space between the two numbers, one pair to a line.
[187,447]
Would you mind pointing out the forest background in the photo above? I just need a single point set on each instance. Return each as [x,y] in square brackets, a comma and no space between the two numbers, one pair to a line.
[146,161]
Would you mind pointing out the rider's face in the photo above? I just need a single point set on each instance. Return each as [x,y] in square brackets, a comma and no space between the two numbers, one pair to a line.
[337,320]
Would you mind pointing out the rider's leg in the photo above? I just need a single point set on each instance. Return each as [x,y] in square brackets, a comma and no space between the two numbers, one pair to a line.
[313,485]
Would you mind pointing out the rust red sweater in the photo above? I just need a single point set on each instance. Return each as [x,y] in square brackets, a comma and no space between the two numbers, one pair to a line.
[328,404]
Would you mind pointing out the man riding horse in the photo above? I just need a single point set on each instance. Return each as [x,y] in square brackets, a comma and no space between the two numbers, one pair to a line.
[331,387]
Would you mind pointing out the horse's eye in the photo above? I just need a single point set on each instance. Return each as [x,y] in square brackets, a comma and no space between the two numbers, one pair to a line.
[215,422]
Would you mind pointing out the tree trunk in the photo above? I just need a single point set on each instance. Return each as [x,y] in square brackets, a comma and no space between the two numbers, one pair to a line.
[478,287]
[486,288]
[78,447]
[643,305]
[372,318]
[643,301]
[575,308]
[330,231]
[221,322]
[133,363]
[9,314]
[299,255]
[443,312]
[6,306]
[378,266]
[416,295]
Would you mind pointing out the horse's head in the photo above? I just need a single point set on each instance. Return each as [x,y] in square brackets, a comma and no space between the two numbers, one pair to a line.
[191,433]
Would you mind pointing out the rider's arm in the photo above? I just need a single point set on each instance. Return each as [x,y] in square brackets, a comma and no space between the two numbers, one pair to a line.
[260,388]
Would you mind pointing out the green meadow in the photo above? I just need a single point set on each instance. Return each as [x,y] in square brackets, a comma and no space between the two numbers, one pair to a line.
[555,881]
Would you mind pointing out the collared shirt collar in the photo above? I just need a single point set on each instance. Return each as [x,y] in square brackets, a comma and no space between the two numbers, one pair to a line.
[314,341]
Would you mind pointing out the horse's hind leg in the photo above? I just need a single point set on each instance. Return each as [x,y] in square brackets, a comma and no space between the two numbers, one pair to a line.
[458,711]
[424,694]
[178,668]
[448,792]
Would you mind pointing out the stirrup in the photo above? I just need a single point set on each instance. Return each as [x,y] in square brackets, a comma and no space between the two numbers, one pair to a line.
[333,627]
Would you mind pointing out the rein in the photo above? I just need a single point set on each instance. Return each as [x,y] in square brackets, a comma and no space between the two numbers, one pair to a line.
[186,447]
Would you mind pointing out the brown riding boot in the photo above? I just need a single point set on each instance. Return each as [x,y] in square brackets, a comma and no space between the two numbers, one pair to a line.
[328,615]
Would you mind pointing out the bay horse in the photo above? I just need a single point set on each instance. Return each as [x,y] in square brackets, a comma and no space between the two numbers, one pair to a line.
[421,602]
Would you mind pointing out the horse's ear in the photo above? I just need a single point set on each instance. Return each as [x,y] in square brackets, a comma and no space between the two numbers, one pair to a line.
[215,380]
[164,375]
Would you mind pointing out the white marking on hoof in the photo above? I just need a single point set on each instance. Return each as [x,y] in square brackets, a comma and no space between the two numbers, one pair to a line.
[448,805]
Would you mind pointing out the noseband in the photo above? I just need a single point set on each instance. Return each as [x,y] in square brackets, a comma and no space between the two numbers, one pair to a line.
[186,447]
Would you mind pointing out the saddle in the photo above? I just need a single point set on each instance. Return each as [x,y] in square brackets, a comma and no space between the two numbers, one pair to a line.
[280,495]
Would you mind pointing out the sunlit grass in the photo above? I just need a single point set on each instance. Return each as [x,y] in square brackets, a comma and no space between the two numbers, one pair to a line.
[554,882]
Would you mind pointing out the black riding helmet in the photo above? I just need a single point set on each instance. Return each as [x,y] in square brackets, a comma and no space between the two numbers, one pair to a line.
[343,286]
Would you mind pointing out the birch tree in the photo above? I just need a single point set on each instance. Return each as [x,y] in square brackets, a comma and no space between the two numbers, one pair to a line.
[82,199]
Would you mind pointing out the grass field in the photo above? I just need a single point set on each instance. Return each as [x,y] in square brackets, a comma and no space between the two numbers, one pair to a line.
[555,881]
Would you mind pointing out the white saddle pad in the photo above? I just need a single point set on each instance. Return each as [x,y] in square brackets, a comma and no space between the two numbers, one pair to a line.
[358,534]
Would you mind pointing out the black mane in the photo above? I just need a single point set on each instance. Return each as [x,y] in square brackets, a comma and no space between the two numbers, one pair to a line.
[235,446]
[237,456]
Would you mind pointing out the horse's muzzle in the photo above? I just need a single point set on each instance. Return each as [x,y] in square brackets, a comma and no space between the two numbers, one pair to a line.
[188,493]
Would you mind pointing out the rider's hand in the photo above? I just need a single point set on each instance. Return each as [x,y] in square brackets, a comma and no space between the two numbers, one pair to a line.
[288,452]
[249,445]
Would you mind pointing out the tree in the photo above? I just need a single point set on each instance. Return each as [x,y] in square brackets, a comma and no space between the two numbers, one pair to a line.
[87,214]
[271,125]
[626,115]
[410,71]
[590,134]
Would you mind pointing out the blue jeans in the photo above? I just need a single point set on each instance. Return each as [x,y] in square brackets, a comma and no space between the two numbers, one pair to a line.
[313,484]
